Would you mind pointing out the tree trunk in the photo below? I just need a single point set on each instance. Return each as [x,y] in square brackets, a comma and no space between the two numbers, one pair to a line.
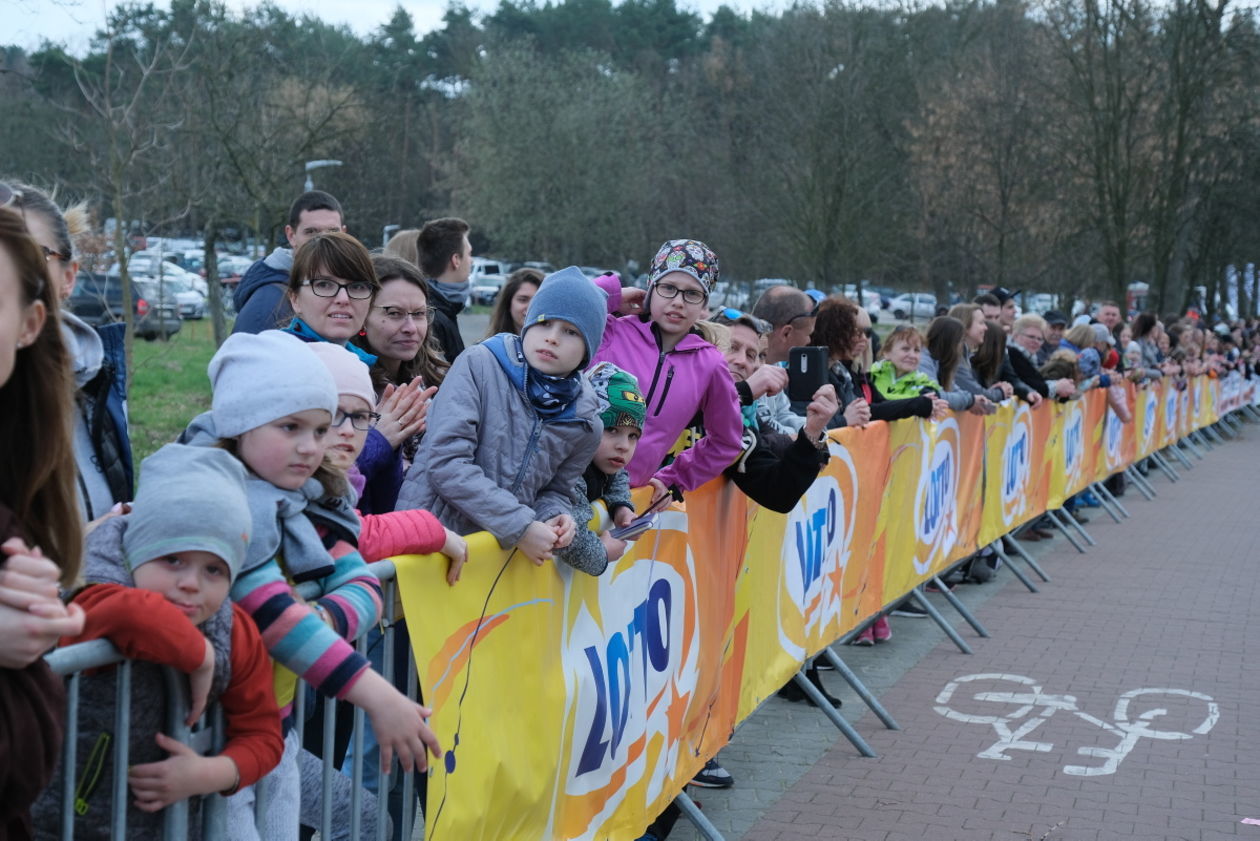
[214,289]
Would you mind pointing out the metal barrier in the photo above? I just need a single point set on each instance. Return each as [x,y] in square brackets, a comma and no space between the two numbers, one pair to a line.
[208,737]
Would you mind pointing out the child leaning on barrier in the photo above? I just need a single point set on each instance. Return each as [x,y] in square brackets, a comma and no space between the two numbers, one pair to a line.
[272,407]
[622,410]
[682,374]
[157,584]
[515,425]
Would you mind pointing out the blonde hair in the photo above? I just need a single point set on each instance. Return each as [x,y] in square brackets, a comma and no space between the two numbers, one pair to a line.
[718,335]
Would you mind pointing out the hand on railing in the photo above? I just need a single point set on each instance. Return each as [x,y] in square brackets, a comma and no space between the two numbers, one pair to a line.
[399,723]
[183,774]
[455,548]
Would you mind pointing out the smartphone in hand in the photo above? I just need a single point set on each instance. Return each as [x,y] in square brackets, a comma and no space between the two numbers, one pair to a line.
[807,372]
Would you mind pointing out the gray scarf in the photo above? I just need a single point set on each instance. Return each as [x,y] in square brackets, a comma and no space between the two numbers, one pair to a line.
[284,521]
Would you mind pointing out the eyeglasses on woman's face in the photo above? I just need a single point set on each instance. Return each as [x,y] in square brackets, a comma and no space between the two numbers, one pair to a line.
[326,287]
[397,315]
[689,296]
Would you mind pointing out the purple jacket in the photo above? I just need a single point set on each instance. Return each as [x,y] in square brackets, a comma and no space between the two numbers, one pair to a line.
[689,380]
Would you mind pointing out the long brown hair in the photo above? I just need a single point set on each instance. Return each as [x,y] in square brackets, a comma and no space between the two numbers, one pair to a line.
[428,361]
[944,345]
[836,327]
[36,417]
[988,358]
[501,315]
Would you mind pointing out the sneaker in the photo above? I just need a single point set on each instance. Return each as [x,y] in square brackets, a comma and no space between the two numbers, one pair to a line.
[911,610]
[1088,499]
[882,630]
[713,775]
[791,692]
[933,587]
[867,637]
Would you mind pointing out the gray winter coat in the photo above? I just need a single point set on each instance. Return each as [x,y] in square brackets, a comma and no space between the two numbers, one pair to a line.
[489,462]
[587,553]
[958,399]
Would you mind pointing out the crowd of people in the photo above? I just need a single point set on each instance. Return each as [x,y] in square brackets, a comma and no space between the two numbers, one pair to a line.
[349,423]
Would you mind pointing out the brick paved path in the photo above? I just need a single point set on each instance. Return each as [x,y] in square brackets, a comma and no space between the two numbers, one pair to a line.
[1165,601]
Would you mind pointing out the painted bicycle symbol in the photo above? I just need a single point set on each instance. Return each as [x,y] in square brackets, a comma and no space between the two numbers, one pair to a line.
[1014,713]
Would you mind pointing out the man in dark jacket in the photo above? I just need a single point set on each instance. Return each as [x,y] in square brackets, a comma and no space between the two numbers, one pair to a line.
[261,298]
[446,260]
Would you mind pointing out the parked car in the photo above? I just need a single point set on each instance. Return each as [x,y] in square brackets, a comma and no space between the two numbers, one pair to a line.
[593,271]
[913,305]
[231,268]
[98,299]
[486,279]
[192,304]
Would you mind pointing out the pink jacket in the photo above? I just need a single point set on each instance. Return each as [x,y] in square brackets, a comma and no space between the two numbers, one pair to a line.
[689,380]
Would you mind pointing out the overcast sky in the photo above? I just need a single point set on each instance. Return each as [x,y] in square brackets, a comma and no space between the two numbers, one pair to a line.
[72,22]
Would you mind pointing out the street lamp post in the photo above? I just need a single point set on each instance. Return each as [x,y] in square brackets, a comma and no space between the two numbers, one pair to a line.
[311,166]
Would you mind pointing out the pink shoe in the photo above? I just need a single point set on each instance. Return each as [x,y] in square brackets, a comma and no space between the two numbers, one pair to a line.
[867,637]
[881,630]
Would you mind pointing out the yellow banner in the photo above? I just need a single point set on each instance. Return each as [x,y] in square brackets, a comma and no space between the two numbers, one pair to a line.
[576,707]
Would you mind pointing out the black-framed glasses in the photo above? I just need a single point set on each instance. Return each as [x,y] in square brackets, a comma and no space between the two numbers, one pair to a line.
[326,287]
[811,314]
[397,315]
[362,421]
[689,296]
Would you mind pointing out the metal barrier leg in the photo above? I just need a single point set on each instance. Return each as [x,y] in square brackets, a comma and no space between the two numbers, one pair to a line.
[851,678]
[1180,456]
[1139,481]
[1110,504]
[1223,428]
[1061,526]
[69,756]
[1251,411]
[1072,521]
[1016,571]
[957,605]
[824,706]
[698,819]
[1028,559]
[1192,444]
[122,741]
[326,793]
[1166,465]
[931,610]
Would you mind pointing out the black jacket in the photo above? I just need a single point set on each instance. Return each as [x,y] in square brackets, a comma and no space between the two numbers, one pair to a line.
[776,470]
[1026,371]
[445,326]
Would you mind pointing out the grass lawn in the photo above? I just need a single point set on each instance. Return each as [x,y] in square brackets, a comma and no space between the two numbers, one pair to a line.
[169,386]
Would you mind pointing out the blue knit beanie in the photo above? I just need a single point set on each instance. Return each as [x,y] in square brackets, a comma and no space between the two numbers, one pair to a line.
[571,296]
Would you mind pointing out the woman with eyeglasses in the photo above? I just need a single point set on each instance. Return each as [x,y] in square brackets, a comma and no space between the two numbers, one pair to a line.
[102,447]
[680,373]
[406,375]
[331,287]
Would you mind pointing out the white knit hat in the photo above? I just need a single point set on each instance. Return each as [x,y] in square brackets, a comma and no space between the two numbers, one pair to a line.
[258,378]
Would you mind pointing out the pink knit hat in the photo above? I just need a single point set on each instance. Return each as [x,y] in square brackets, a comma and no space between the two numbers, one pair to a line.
[348,371]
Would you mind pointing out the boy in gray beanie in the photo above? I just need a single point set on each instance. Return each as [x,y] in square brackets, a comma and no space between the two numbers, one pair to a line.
[515,425]
[157,582]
